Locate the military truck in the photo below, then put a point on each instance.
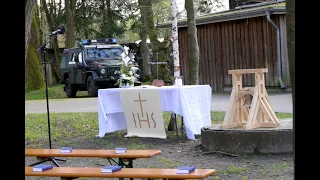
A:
(92, 65)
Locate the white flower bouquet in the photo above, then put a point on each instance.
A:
(127, 74)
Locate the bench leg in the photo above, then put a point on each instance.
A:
(121, 164)
(39, 162)
(68, 178)
(58, 159)
(131, 165)
(53, 160)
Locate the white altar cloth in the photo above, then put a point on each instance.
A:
(193, 102)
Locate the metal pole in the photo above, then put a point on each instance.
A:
(47, 99)
(157, 66)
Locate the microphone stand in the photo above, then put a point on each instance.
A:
(52, 159)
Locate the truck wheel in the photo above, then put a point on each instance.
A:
(92, 88)
(70, 90)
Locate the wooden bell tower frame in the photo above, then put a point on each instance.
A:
(256, 113)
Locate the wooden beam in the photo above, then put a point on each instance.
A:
(253, 107)
(274, 117)
(230, 126)
(265, 111)
(231, 108)
(260, 113)
(242, 93)
(248, 71)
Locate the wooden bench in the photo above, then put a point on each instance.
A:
(69, 173)
(129, 156)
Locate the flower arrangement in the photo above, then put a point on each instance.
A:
(127, 74)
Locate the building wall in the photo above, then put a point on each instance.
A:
(239, 44)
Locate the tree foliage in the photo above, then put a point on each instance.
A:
(160, 50)
(208, 6)
(88, 19)
(57, 57)
(102, 18)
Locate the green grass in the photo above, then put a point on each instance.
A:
(63, 126)
(67, 126)
(272, 170)
(135, 143)
(284, 115)
(169, 163)
(147, 83)
(54, 92)
(232, 169)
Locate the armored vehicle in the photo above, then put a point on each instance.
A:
(92, 66)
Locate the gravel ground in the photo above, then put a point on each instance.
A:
(176, 153)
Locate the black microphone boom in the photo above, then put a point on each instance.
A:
(61, 29)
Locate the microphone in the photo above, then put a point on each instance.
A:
(61, 29)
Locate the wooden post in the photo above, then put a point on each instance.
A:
(259, 113)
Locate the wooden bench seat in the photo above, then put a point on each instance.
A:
(129, 156)
(94, 153)
(68, 173)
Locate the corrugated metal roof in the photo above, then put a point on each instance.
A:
(277, 8)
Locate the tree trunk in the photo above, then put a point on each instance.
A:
(193, 47)
(157, 47)
(109, 17)
(70, 6)
(175, 44)
(290, 15)
(29, 4)
(38, 12)
(84, 12)
(103, 26)
(59, 6)
(34, 79)
(145, 54)
(106, 23)
(57, 56)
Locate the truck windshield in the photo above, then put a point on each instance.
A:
(108, 53)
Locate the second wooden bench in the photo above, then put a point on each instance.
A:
(129, 156)
(69, 173)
